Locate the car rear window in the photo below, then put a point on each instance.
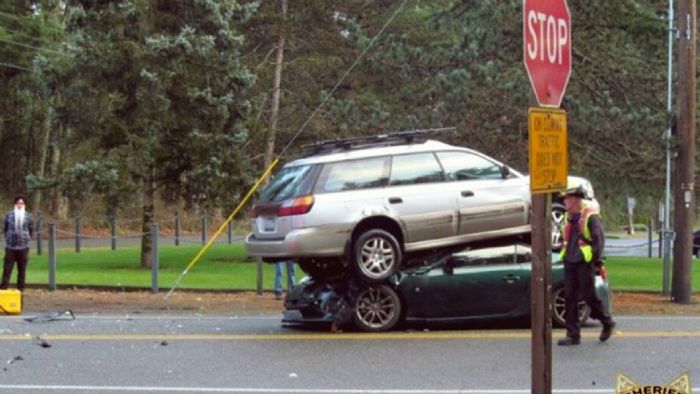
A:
(287, 183)
(353, 175)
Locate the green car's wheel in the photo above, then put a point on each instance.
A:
(377, 308)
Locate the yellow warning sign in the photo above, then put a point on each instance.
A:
(549, 157)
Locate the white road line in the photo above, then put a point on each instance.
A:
(287, 390)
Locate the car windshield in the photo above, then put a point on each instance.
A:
(287, 183)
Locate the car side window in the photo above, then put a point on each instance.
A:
(462, 166)
(414, 169)
(353, 175)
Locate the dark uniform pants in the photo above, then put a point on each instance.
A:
(579, 284)
(21, 257)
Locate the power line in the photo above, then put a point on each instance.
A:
(33, 47)
(19, 33)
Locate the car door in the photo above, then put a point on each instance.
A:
(492, 282)
(487, 201)
(417, 197)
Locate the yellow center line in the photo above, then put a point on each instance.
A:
(337, 337)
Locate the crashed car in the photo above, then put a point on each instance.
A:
(373, 205)
(477, 285)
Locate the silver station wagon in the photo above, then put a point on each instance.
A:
(371, 205)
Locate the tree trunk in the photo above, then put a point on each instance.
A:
(148, 197)
(274, 112)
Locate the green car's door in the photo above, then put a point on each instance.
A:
(477, 284)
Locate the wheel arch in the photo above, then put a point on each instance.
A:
(380, 222)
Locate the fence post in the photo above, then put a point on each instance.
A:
(204, 229)
(52, 256)
(113, 230)
(651, 223)
(38, 233)
(177, 228)
(260, 277)
(661, 236)
(230, 231)
(77, 234)
(154, 258)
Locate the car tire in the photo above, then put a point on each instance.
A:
(377, 308)
(559, 306)
(376, 256)
(558, 217)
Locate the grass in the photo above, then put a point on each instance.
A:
(224, 266)
(643, 274)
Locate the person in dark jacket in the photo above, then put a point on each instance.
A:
(18, 230)
(581, 252)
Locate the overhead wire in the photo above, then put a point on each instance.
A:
(274, 163)
(33, 47)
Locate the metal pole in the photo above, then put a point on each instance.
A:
(52, 256)
(177, 228)
(113, 230)
(77, 234)
(38, 234)
(204, 229)
(154, 258)
(667, 231)
(260, 277)
(229, 232)
(540, 289)
(649, 231)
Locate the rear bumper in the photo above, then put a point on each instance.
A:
(310, 242)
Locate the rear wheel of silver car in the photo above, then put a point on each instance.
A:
(558, 217)
(376, 256)
(377, 308)
(559, 307)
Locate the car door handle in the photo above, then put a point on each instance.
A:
(510, 278)
(395, 200)
(467, 193)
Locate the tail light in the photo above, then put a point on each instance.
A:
(296, 206)
(603, 272)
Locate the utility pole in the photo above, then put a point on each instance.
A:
(684, 212)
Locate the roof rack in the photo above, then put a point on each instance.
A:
(390, 139)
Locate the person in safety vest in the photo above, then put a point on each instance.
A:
(581, 251)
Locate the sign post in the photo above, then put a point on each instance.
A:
(547, 57)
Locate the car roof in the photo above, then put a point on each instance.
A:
(426, 146)
(494, 251)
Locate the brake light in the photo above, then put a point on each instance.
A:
(296, 206)
(603, 272)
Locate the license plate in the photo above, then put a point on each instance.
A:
(268, 225)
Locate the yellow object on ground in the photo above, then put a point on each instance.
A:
(10, 302)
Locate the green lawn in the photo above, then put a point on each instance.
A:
(226, 267)
(642, 274)
(223, 266)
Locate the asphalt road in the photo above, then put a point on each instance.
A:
(139, 353)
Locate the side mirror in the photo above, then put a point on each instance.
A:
(505, 171)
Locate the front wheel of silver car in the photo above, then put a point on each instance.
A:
(376, 256)
(559, 307)
(377, 308)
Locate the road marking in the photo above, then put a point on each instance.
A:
(286, 390)
(479, 335)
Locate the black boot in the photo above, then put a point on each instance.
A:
(607, 331)
(568, 341)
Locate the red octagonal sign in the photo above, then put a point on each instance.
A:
(547, 48)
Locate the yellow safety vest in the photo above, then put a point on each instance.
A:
(585, 242)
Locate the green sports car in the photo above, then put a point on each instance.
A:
(476, 285)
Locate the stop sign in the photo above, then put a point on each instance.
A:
(547, 48)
